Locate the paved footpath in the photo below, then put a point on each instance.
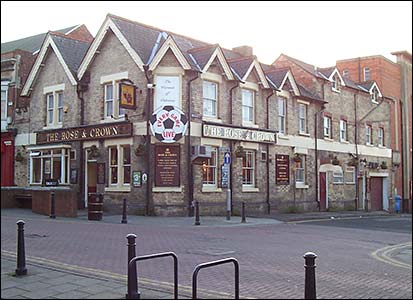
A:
(79, 259)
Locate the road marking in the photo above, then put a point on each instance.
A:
(148, 283)
(383, 255)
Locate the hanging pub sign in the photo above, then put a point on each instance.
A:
(127, 95)
(168, 124)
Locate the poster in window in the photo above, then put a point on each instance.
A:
(136, 178)
(73, 176)
(101, 178)
(127, 96)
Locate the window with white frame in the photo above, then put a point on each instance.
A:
(210, 97)
(338, 177)
(336, 84)
(210, 170)
(248, 169)
(350, 175)
(300, 170)
(119, 165)
(345, 73)
(381, 137)
(374, 96)
(112, 108)
(327, 127)
(54, 108)
(50, 164)
(343, 130)
(302, 117)
(247, 106)
(4, 100)
(366, 72)
(368, 135)
(281, 115)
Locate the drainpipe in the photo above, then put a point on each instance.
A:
(316, 149)
(357, 152)
(189, 150)
(267, 163)
(79, 91)
(149, 86)
(405, 143)
(231, 98)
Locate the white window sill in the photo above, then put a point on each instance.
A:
(250, 189)
(211, 119)
(121, 189)
(381, 146)
(249, 124)
(375, 102)
(211, 189)
(304, 134)
(336, 90)
(301, 186)
(338, 183)
(344, 142)
(177, 189)
(283, 136)
(112, 120)
(53, 127)
(369, 145)
(328, 139)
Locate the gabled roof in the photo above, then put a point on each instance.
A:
(243, 66)
(33, 43)
(69, 52)
(368, 86)
(308, 94)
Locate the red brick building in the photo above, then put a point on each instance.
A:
(395, 81)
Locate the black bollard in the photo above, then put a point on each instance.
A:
(243, 220)
(197, 222)
(52, 206)
(124, 217)
(310, 290)
(133, 274)
(21, 255)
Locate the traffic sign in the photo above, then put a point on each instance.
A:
(227, 158)
(224, 175)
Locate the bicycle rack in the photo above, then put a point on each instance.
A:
(133, 282)
(214, 263)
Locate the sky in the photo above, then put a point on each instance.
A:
(317, 32)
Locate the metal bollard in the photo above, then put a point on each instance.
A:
(21, 255)
(124, 217)
(310, 290)
(133, 275)
(197, 222)
(243, 220)
(52, 206)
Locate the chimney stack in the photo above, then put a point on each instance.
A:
(243, 50)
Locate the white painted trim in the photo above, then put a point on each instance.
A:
(248, 189)
(119, 189)
(114, 77)
(250, 146)
(377, 174)
(119, 141)
(211, 189)
(46, 147)
(217, 78)
(53, 88)
(211, 142)
(36, 67)
(374, 85)
(25, 139)
(290, 77)
(169, 71)
(108, 23)
(303, 102)
(169, 44)
(260, 72)
(221, 58)
(331, 78)
(249, 85)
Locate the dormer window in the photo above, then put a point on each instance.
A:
(374, 96)
(345, 73)
(336, 84)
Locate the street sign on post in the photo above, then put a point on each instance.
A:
(227, 158)
(224, 178)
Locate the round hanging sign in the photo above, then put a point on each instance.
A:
(168, 124)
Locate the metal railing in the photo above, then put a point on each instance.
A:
(215, 263)
(133, 292)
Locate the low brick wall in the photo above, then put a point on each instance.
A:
(65, 202)
(8, 197)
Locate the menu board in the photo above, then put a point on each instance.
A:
(282, 169)
(167, 166)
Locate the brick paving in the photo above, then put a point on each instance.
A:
(270, 255)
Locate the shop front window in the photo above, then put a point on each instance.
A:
(49, 164)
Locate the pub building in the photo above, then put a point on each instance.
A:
(164, 120)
